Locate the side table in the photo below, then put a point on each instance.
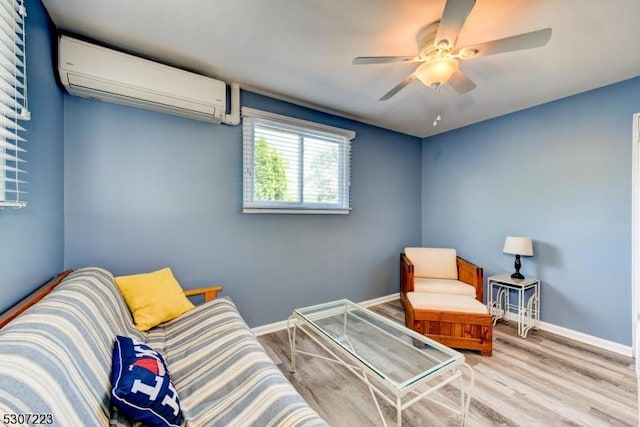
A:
(527, 308)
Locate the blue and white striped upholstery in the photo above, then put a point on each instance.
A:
(223, 375)
(56, 358)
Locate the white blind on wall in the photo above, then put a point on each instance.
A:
(13, 102)
(294, 166)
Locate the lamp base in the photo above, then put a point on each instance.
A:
(517, 264)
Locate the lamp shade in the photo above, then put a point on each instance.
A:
(518, 246)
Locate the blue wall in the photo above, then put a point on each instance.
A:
(560, 173)
(145, 190)
(31, 239)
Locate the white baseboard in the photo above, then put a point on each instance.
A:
(279, 326)
(376, 301)
(269, 328)
(615, 347)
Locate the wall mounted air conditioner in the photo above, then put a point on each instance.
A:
(96, 72)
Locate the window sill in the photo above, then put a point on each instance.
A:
(297, 211)
(14, 205)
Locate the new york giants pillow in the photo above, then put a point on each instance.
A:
(141, 387)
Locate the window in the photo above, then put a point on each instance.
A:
(294, 166)
(13, 101)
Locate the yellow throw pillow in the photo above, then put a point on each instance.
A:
(153, 298)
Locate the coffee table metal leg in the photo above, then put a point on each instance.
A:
(462, 401)
(358, 371)
(375, 400)
(292, 341)
(465, 394)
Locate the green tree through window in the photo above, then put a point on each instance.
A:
(270, 178)
(321, 177)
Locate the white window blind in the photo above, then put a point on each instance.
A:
(13, 102)
(294, 166)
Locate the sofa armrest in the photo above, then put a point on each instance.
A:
(471, 274)
(406, 275)
(32, 298)
(209, 293)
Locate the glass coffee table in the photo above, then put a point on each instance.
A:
(398, 365)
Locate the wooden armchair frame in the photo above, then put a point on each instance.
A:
(468, 273)
(473, 331)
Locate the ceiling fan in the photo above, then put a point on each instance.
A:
(439, 55)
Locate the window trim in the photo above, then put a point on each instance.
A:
(295, 125)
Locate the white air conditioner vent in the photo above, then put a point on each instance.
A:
(96, 72)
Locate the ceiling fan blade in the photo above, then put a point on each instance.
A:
(509, 44)
(362, 60)
(453, 18)
(461, 83)
(398, 87)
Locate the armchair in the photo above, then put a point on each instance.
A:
(442, 297)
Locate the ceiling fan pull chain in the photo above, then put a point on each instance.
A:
(436, 116)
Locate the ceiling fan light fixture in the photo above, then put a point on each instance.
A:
(438, 72)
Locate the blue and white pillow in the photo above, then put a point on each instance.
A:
(141, 387)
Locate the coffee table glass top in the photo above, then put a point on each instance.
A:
(395, 353)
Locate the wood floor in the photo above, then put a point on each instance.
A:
(544, 380)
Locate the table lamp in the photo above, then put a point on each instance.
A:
(518, 246)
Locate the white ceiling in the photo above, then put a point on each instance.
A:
(301, 50)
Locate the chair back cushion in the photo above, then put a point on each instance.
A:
(436, 263)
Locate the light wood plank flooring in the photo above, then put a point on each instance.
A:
(544, 380)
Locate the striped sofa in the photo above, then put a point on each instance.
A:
(56, 359)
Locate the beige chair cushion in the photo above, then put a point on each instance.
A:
(436, 263)
(443, 302)
(443, 286)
